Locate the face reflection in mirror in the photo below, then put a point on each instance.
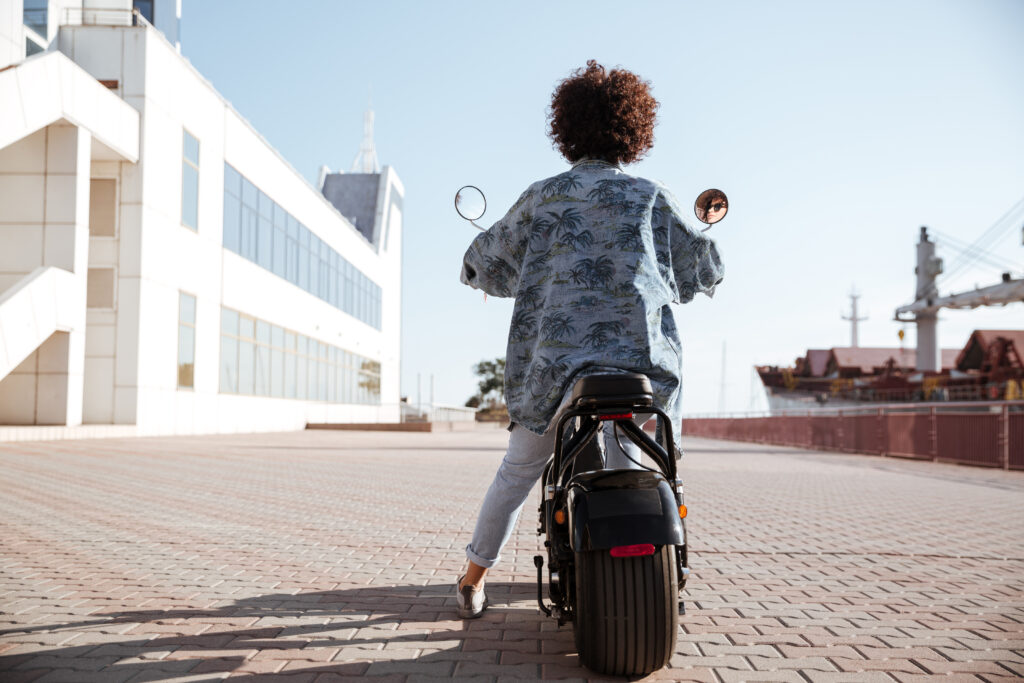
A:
(470, 202)
(711, 206)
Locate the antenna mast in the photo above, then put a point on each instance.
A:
(853, 318)
(366, 159)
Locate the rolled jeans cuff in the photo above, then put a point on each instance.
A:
(480, 561)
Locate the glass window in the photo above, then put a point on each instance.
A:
(262, 375)
(339, 373)
(313, 384)
(300, 370)
(232, 222)
(314, 265)
(246, 365)
(228, 364)
(266, 206)
(32, 47)
(324, 373)
(280, 250)
(292, 260)
(229, 322)
(248, 232)
(346, 375)
(228, 351)
(276, 361)
(250, 195)
(232, 180)
(246, 327)
(263, 232)
(186, 340)
(333, 287)
(145, 8)
(265, 246)
(279, 253)
(349, 288)
(190, 181)
(332, 378)
(34, 15)
(325, 272)
(102, 207)
(290, 363)
(303, 259)
(246, 356)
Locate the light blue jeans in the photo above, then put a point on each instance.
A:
(523, 465)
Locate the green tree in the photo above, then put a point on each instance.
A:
(491, 388)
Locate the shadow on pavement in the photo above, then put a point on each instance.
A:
(396, 631)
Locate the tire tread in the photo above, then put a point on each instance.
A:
(626, 611)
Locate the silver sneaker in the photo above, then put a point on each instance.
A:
(472, 603)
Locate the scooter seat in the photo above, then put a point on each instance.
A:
(613, 389)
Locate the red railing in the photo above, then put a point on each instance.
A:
(989, 433)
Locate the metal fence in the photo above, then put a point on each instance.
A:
(436, 413)
(99, 16)
(989, 434)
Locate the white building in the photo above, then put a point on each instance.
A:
(161, 265)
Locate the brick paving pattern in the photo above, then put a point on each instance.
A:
(323, 556)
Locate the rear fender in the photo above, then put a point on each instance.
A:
(610, 508)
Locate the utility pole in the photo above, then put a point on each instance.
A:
(928, 268)
(853, 318)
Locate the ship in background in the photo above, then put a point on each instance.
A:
(988, 367)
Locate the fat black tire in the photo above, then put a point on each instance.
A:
(627, 611)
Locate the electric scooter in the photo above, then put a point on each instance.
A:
(615, 538)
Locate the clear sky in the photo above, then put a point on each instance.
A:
(835, 128)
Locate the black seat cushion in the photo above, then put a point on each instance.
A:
(629, 386)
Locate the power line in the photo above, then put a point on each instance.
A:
(988, 257)
(994, 233)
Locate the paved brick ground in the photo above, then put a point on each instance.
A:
(322, 556)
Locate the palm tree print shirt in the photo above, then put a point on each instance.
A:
(593, 258)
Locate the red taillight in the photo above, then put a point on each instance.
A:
(632, 550)
(617, 416)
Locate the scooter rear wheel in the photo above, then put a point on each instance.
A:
(627, 611)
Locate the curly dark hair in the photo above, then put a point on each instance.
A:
(603, 115)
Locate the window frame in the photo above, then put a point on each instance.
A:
(182, 323)
(185, 161)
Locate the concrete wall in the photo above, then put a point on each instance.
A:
(44, 192)
(12, 33)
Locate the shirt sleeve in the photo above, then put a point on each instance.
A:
(696, 263)
(494, 260)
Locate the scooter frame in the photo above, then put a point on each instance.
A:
(576, 466)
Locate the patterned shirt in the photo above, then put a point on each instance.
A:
(593, 258)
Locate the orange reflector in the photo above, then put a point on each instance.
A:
(632, 550)
(559, 516)
(682, 512)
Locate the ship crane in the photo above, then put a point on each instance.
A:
(924, 310)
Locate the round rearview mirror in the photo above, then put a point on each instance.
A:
(470, 202)
(711, 206)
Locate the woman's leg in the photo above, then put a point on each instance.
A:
(524, 462)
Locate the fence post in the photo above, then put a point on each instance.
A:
(881, 434)
(840, 446)
(1004, 436)
(933, 434)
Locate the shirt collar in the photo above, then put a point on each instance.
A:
(595, 163)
